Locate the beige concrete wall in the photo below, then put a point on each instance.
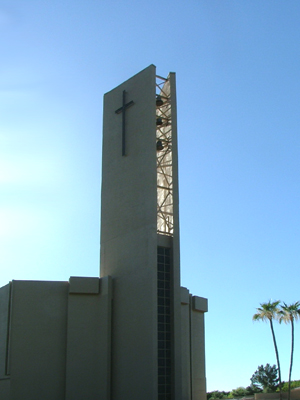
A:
(185, 344)
(4, 345)
(198, 308)
(38, 339)
(88, 339)
(128, 236)
(128, 197)
(193, 346)
(59, 340)
(4, 330)
(5, 389)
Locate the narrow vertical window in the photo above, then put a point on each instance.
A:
(164, 322)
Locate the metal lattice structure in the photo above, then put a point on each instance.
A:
(165, 223)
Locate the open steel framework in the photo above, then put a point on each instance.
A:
(164, 157)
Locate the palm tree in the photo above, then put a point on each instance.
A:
(289, 314)
(268, 312)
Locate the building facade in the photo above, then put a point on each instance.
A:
(133, 333)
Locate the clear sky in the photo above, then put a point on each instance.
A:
(237, 66)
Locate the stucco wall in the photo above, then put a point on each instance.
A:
(38, 340)
(59, 340)
(193, 346)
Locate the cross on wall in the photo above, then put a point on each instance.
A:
(122, 110)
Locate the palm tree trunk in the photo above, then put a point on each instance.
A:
(277, 358)
(292, 355)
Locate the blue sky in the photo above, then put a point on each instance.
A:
(237, 66)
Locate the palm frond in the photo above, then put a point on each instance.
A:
(288, 313)
(267, 311)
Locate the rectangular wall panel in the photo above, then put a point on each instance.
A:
(4, 329)
(89, 339)
(38, 340)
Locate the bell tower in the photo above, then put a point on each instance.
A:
(140, 234)
(154, 350)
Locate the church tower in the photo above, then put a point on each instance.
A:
(140, 234)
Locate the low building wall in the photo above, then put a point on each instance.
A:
(5, 388)
(295, 395)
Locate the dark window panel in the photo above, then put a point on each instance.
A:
(167, 284)
(161, 380)
(160, 259)
(161, 309)
(167, 251)
(161, 276)
(161, 362)
(161, 389)
(161, 353)
(160, 250)
(161, 267)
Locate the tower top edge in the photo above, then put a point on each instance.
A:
(150, 67)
